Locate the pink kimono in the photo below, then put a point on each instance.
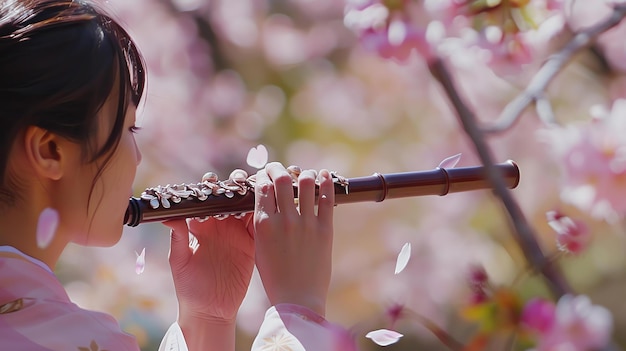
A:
(37, 315)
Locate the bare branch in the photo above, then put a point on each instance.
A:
(535, 90)
(523, 232)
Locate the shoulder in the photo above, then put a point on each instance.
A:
(62, 326)
(36, 311)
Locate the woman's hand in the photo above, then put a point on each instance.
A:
(294, 243)
(211, 277)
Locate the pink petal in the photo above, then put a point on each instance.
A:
(403, 258)
(47, 226)
(257, 157)
(384, 337)
(539, 315)
(140, 264)
(450, 162)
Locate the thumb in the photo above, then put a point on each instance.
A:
(180, 252)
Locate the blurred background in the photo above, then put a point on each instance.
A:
(227, 75)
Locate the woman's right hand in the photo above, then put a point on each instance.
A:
(294, 242)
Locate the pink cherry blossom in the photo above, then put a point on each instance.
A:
(478, 281)
(505, 54)
(539, 315)
(578, 324)
(395, 312)
(573, 236)
(396, 30)
(478, 276)
(398, 41)
(389, 32)
(592, 157)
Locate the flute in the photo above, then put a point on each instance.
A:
(235, 196)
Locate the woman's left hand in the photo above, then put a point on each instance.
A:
(212, 279)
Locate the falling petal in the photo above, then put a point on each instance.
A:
(257, 157)
(47, 226)
(450, 162)
(403, 258)
(384, 337)
(140, 264)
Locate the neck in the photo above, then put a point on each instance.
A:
(19, 230)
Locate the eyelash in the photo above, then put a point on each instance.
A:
(134, 129)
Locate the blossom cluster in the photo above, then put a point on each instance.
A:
(503, 32)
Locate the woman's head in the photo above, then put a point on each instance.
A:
(64, 67)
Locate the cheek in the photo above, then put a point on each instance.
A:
(111, 195)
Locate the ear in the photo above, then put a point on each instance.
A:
(43, 152)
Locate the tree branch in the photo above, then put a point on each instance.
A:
(524, 233)
(535, 89)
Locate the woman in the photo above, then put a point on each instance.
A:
(70, 81)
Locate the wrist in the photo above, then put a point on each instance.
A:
(313, 303)
(207, 333)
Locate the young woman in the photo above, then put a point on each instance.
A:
(70, 81)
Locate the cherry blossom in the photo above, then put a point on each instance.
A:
(574, 324)
(573, 236)
(386, 30)
(592, 157)
(539, 315)
(506, 30)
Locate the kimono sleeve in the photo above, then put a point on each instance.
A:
(174, 340)
(296, 328)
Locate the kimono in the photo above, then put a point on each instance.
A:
(36, 314)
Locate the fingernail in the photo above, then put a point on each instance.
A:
(324, 175)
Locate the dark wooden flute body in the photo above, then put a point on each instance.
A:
(221, 199)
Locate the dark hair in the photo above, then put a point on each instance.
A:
(59, 61)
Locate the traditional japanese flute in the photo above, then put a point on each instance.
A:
(235, 196)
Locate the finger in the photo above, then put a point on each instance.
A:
(326, 200)
(283, 187)
(248, 219)
(180, 252)
(306, 192)
(265, 200)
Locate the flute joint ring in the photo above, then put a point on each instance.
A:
(446, 188)
(384, 189)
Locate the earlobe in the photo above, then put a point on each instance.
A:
(43, 152)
